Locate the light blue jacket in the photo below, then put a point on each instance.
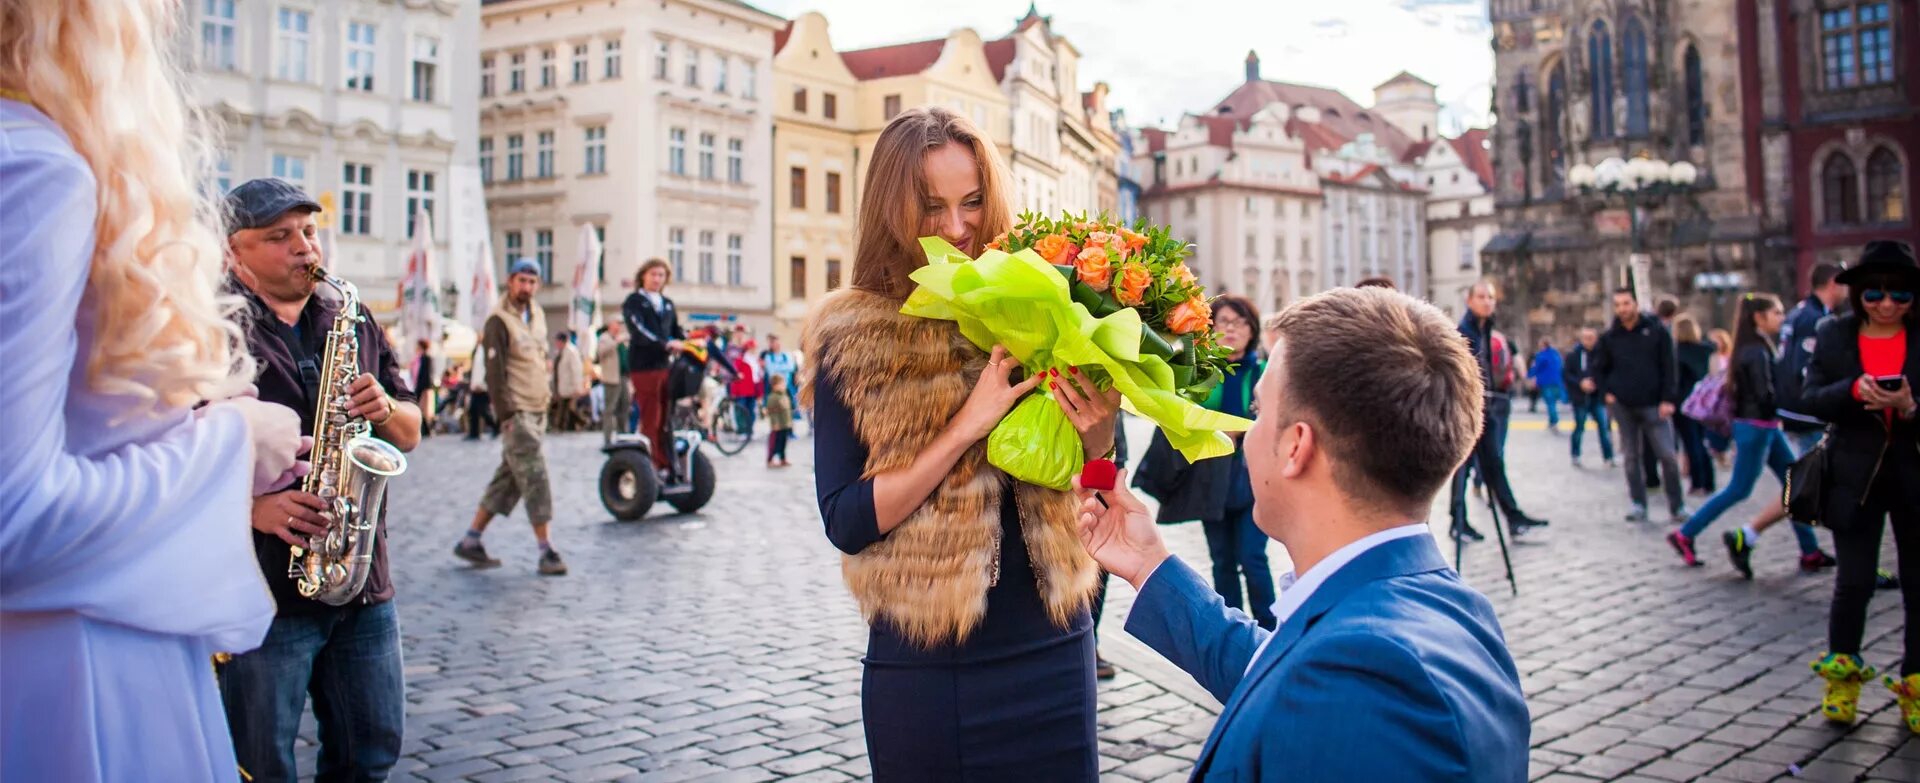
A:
(1393, 670)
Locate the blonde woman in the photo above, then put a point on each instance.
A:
(123, 510)
(980, 659)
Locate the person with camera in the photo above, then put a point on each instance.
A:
(1491, 352)
(1861, 381)
(653, 329)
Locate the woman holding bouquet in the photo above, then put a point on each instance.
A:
(980, 659)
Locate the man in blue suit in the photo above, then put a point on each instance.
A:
(1384, 666)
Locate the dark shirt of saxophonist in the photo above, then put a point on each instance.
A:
(273, 249)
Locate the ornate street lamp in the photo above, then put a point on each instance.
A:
(1641, 184)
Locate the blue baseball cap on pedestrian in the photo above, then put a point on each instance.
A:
(523, 267)
(257, 203)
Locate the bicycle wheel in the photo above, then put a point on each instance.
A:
(731, 428)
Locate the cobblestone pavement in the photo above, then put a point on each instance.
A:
(722, 646)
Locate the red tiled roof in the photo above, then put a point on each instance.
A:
(1340, 118)
(1156, 139)
(895, 60)
(1472, 148)
(1348, 179)
(999, 56)
(1318, 137)
(781, 35)
(1416, 151)
(1220, 130)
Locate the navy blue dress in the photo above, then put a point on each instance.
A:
(1014, 701)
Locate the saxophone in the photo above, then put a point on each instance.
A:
(350, 468)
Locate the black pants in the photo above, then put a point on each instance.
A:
(479, 407)
(1491, 464)
(1857, 547)
(1693, 441)
(777, 442)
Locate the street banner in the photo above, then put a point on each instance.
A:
(482, 292)
(585, 304)
(419, 297)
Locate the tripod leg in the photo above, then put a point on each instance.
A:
(1500, 531)
(1459, 548)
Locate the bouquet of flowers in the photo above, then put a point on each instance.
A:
(1117, 302)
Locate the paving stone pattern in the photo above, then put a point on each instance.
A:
(721, 646)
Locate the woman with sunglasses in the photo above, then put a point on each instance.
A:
(1865, 367)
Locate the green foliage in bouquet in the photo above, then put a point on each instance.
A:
(1148, 337)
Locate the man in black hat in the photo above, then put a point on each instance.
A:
(347, 657)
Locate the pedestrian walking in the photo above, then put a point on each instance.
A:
(1796, 350)
(748, 386)
(1490, 350)
(610, 357)
(778, 361)
(779, 421)
(1548, 374)
(1862, 380)
(1578, 373)
(479, 402)
(569, 383)
(515, 344)
(426, 384)
(1693, 359)
(1634, 372)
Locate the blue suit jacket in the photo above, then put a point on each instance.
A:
(1392, 670)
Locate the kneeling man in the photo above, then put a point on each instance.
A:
(1384, 665)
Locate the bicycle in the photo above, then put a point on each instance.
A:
(732, 425)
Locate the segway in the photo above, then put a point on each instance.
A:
(629, 484)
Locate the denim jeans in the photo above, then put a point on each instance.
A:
(348, 659)
(1237, 546)
(1553, 396)
(1592, 408)
(1755, 447)
(744, 410)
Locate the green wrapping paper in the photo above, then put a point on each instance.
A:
(1021, 302)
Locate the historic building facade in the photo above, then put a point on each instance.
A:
(1458, 175)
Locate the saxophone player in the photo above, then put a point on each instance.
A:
(346, 656)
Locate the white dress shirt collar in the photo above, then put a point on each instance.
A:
(1295, 590)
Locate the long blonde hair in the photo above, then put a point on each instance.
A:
(888, 239)
(104, 72)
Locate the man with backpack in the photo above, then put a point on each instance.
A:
(1796, 348)
(1491, 350)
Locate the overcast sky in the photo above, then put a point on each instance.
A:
(1164, 58)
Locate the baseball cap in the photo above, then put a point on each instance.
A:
(257, 203)
(523, 267)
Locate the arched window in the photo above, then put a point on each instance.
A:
(1600, 64)
(1886, 199)
(1552, 138)
(1633, 70)
(1696, 98)
(1840, 190)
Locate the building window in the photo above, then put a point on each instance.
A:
(833, 193)
(1633, 71)
(660, 60)
(735, 273)
(1886, 196)
(677, 252)
(1840, 190)
(426, 67)
(720, 68)
(292, 168)
(829, 106)
(749, 82)
(693, 67)
(1600, 66)
(222, 174)
(706, 257)
(1466, 253)
(800, 100)
(1856, 45)
(513, 247)
(543, 253)
(543, 155)
(419, 197)
(360, 51)
(890, 106)
(833, 274)
(486, 77)
(677, 152)
(547, 68)
(579, 63)
(596, 150)
(706, 156)
(356, 202)
(292, 38)
(612, 52)
(1253, 246)
(217, 36)
(797, 188)
(1696, 97)
(516, 157)
(486, 159)
(736, 160)
(797, 277)
(1280, 247)
(517, 72)
(1191, 211)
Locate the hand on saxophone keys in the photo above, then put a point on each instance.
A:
(293, 516)
(368, 401)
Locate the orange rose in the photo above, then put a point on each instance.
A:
(1050, 246)
(1094, 268)
(994, 245)
(1098, 238)
(1131, 289)
(1135, 241)
(1190, 316)
(1182, 274)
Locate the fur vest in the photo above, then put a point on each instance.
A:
(904, 378)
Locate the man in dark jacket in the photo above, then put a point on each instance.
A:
(1497, 375)
(1796, 349)
(1579, 368)
(1633, 371)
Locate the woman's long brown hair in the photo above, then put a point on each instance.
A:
(891, 211)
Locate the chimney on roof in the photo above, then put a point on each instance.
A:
(1253, 66)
